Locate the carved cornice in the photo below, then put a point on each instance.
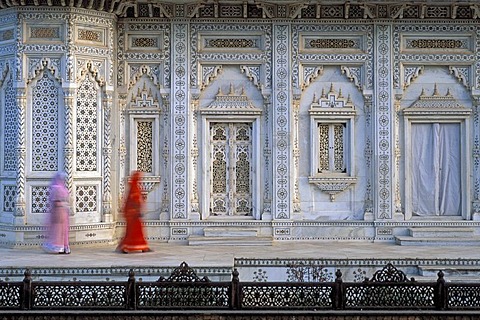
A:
(268, 9)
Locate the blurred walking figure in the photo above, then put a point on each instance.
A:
(57, 220)
(134, 239)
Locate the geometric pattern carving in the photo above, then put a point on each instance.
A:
(44, 32)
(9, 193)
(86, 199)
(40, 199)
(11, 128)
(87, 126)
(45, 125)
(90, 35)
(145, 146)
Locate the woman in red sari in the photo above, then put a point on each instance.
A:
(134, 239)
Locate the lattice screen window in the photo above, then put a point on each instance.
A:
(45, 125)
(332, 147)
(86, 199)
(332, 136)
(9, 194)
(40, 199)
(87, 126)
(145, 146)
(11, 128)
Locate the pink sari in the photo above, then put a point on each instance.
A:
(57, 221)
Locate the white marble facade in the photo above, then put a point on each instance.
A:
(252, 120)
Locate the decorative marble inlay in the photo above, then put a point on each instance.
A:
(436, 44)
(231, 43)
(45, 32)
(9, 193)
(40, 199)
(90, 35)
(325, 43)
(6, 35)
(86, 199)
(145, 42)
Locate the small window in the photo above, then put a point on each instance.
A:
(332, 128)
(332, 156)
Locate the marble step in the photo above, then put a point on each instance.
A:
(229, 241)
(229, 232)
(437, 241)
(443, 232)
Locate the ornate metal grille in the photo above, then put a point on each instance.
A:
(279, 295)
(463, 295)
(183, 289)
(10, 294)
(71, 295)
(87, 126)
(182, 295)
(405, 295)
(389, 288)
(45, 125)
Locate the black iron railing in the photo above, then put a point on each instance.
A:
(389, 288)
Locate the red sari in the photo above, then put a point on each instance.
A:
(134, 239)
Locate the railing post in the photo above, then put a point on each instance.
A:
(26, 298)
(440, 296)
(337, 293)
(131, 292)
(235, 294)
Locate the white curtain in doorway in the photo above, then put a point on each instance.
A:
(436, 170)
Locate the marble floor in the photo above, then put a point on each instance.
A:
(168, 254)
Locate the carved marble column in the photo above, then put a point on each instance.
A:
(69, 103)
(122, 148)
(368, 202)
(20, 204)
(107, 157)
(282, 110)
(296, 158)
(179, 120)
(398, 214)
(383, 123)
(476, 158)
(267, 155)
(194, 214)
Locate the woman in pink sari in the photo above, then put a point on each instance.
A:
(134, 239)
(57, 221)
